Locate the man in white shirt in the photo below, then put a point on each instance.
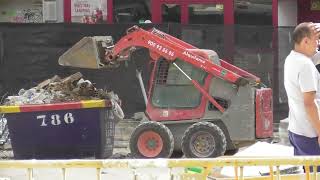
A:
(302, 84)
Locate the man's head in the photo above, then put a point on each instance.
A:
(305, 37)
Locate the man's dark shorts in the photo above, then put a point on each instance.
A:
(304, 146)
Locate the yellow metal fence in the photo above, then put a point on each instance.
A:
(207, 165)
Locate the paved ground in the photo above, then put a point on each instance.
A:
(121, 149)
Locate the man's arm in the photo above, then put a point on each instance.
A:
(312, 110)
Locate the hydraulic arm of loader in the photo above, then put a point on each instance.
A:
(161, 44)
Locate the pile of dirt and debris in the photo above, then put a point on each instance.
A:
(57, 90)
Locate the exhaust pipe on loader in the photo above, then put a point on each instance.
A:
(90, 53)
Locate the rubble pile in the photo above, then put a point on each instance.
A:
(56, 90)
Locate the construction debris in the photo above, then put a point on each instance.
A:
(4, 132)
(48, 81)
(57, 90)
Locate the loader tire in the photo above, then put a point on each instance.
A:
(203, 140)
(151, 140)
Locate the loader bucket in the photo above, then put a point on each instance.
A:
(89, 52)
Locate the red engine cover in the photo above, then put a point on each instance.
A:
(264, 113)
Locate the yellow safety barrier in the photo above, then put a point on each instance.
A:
(203, 171)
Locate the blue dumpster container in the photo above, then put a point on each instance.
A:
(61, 131)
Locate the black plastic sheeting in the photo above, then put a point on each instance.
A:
(29, 54)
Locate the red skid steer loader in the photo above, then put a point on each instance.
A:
(197, 102)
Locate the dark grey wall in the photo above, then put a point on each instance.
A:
(29, 55)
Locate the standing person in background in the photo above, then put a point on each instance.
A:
(302, 84)
(316, 59)
(97, 13)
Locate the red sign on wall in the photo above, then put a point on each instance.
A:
(86, 7)
(81, 7)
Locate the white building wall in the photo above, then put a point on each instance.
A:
(60, 10)
(287, 12)
(16, 11)
(287, 19)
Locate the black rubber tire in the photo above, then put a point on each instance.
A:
(215, 138)
(158, 128)
(231, 152)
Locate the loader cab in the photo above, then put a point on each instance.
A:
(172, 95)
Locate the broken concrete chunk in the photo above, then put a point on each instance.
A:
(56, 78)
(72, 78)
(57, 90)
(45, 83)
(21, 92)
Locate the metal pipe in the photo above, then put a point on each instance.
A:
(307, 168)
(30, 173)
(98, 173)
(143, 90)
(314, 177)
(236, 172)
(64, 174)
(241, 173)
(271, 172)
(278, 173)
